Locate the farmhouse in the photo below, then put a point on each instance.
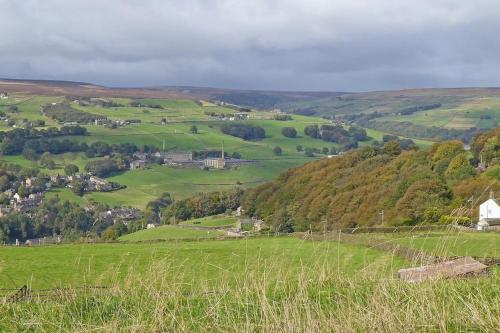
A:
(489, 213)
(137, 164)
(98, 184)
(120, 215)
(250, 224)
(140, 155)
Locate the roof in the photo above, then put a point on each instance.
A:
(496, 201)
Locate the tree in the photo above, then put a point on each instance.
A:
(277, 151)
(325, 150)
(71, 169)
(78, 187)
(289, 132)
(13, 109)
(30, 154)
(309, 152)
(312, 131)
(459, 167)
(47, 161)
(299, 148)
(194, 129)
(392, 148)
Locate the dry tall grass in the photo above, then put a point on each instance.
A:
(267, 298)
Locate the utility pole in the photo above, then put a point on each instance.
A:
(382, 216)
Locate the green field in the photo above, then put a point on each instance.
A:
(448, 243)
(211, 221)
(245, 285)
(143, 186)
(464, 116)
(169, 233)
(76, 264)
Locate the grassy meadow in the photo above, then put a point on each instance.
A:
(270, 284)
(168, 232)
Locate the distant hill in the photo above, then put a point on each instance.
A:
(411, 187)
(428, 114)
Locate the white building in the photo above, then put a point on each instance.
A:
(216, 163)
(489, 213)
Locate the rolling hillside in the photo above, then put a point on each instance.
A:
(410, 187)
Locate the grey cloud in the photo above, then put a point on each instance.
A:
(296, 44)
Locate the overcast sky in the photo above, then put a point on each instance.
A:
(335, 45)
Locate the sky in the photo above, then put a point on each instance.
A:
(314, 45)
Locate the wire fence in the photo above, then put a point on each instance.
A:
(25, 293)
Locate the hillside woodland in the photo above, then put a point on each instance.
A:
(411, 187)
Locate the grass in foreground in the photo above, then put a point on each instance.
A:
(77, 264)
(267, 285)
(264, 296)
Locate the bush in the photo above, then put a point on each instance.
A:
(277, 151)
(71, 169)
(289, 132)
(282, 117)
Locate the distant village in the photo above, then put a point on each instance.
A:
(186, 159)
(88, 182)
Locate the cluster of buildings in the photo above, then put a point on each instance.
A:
(105, 122)
(230, 117)
(121, 214)
(186, 159)
(90, 183)
(22, 205)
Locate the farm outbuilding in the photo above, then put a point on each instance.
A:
(489, 213)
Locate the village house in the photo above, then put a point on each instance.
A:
(481, 167)
(27, 204)
(4, 211)
(29, 181)
(140, 155)
(98, 184)
(101, 121)
(489, 213)
(4, 95)
(9, 193)
(121, 215)
(137, 164)
(250, 225)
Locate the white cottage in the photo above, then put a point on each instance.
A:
(489, 213)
